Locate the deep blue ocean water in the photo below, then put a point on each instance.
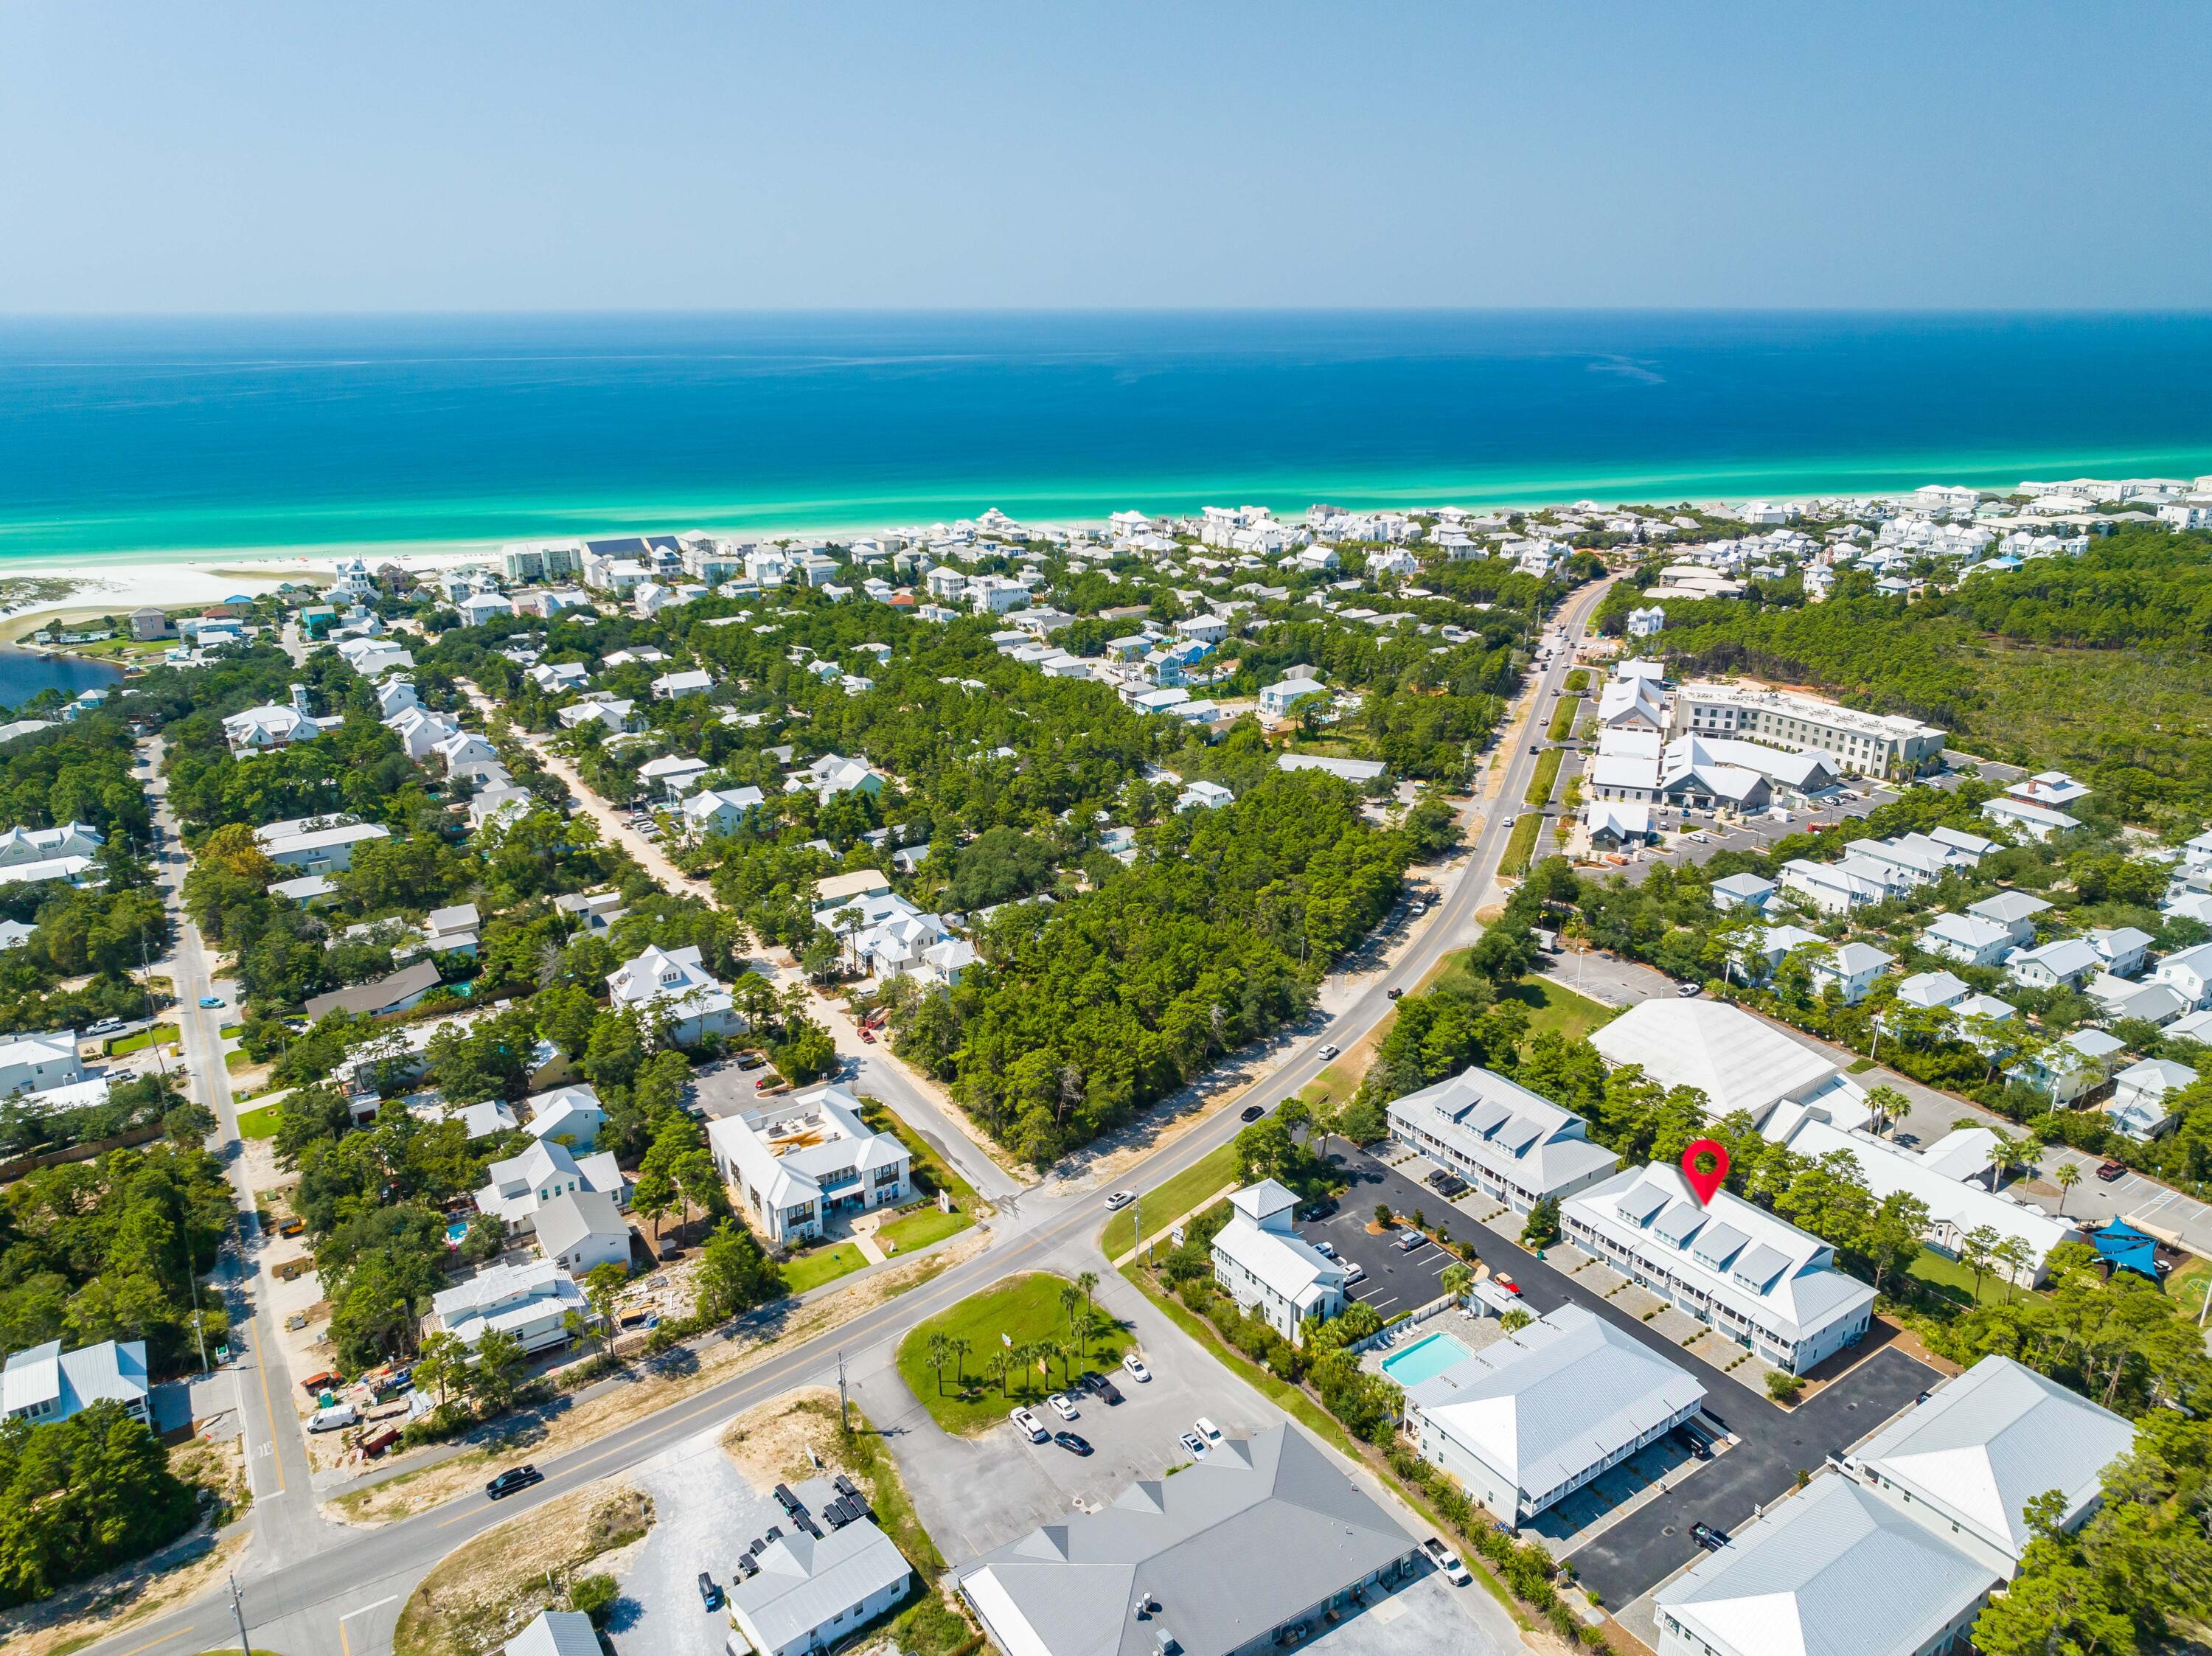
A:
(140, 436)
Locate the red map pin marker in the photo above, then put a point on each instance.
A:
(1704, 1164)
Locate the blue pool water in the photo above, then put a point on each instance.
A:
(1425, 1359)
(457, 1230)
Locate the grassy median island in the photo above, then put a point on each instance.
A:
(1022, 1340)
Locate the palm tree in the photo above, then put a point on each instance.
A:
(1456, 1280)
(1070, 1297)
(939, 1355)
(1071, 1353)
(2067, 1176)
(1001, 1359)
(960, 1359)
(1088, 1281)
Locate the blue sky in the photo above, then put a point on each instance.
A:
(488, 156)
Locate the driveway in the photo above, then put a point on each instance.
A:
(704, 1515)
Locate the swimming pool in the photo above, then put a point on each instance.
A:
(1425, 1359)
(455, 1231)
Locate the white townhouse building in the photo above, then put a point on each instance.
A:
(1514, 1146)
(1771, 1287)
(811, 1588)
(800, 1162)
(1955, 1206)
(673, 989)
(35, 1063)
(1864, 743)
(44, 1384)
(1896, 1554)
(1968, 940)
(2015, 911)
(1534, 1416)
(2188, 972)
(1271, 1271)
(2063, 963)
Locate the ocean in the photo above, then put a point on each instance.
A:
(142, 439)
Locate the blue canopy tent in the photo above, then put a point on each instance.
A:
(2122, 1247)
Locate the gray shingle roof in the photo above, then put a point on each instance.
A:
(1259, 1532)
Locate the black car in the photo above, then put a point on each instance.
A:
(1073, 1442)
(1320, 1208)
(710, 1594)
(514, 1478)
(1251, 1112)
(1706, 1536)
(1395, 993)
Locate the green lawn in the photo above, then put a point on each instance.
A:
(1025, 1310)
(1563, 719)
(820, 1265)
(237, 1059)
(258, 1124)
(1955, 1281)
(919, 1230)
(1578, 680)
(1163, 1201)
(1522, 842)
(927, 1161)
(1546, 777)
(1550, 1007)
(165, 1033)
(2188, 1286)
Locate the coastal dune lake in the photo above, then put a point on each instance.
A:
(134, 438)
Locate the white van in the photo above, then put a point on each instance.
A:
(339, 1415)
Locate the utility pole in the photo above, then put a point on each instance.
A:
(844, 1421)
(1137, 1219)
(238, 1610)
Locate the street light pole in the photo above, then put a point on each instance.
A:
(238, 1610)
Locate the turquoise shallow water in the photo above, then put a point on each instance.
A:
(137, 439)
(1425, 1359)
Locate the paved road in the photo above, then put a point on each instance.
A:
(338, 1593)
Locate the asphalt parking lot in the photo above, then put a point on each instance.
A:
(1649, 1543)
(974, 1494)
(1395, 1281)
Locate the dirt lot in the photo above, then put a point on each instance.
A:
(547, 1435)
(485, 1593)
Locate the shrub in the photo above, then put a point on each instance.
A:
(1783, 1388)
(593, 1595)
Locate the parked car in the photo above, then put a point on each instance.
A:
(1209, 1431)
(338, 1415)
(1073, 1443)
(1686, 991)
(1251, 1112)
(2108, 1171)
(1505, 1283)
(210, 1002)
(1320, 1208)
(1119, 1199)
(1029, 1423)
(1137, 1372)
(1327, 1250)
(710, 1594)
(1447, 1560)
(1409, 1241)
(514, 1478)
(1354, 1272)
(1195, 1443)
(1062, 1404)
(750, 1060)
(1706, 1536)
(868, 1036)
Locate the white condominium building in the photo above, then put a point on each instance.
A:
(1268, 1269)
(807, 1158)
(1730, 1264)
(1516, 1146)
(1866, 744)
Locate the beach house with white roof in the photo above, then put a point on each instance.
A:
(1740, 1270)
(1270, 1271)
(677, 993)
(1969, 939)
(44, 1384)
(517, 1187)
(2015, 911)
(1514, 1146)
(529, 1300)
(1531, 1418)
(800, 1162)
